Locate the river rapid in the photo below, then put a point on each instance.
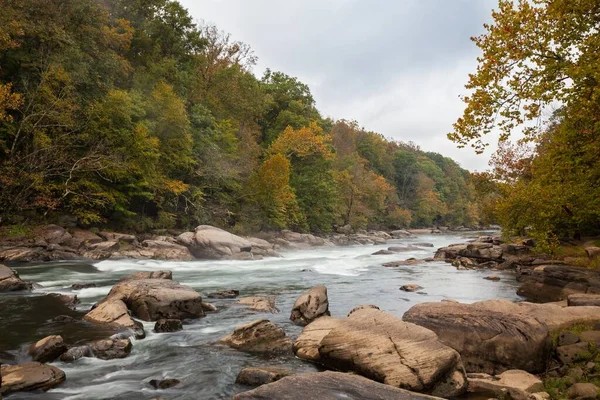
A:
(206, 370)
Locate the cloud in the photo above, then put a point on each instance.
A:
(397, 67)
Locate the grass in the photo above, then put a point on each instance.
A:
(15, 231)
(577, 329)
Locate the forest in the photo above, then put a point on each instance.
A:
(127, 113)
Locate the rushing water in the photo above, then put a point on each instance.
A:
(207, 371)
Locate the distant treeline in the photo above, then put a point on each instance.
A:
(125, 112)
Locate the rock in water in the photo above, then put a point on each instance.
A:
(148, 275)
(256, 376)
(311, 305)
(30, 376)
(164, 383)
(47, 349)
(410, 287)
(224, 294)
(557, 282)
(109, 349)
(382, 347)
(329, 386)
(260, 304)
(261, 336)
(214, 243)
(168, 325)
(10, 281)
(488, 339)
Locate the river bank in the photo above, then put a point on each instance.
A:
(354, 276)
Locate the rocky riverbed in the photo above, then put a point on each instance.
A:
(141, 329)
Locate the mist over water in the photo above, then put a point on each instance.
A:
(206, 370)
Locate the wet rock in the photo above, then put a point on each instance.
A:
(113, 313)
(75, 353)
(557, 282)
(519, 385)
(583, 391)
(260, 336)
(328, 386)
(79, 286)
(400, 249)
(168, 325)
(109, 349)
(410, 287)
(384, 348)
(29, 377)
(401, 233)
(311, 305)
(10, 281)
(224, 294)
(257, 376)
(148, 275)
(475, 250)
(213, 243)
(107, 246)
(67, 299)
(400, 263)
(164, 384)
(209, 307)
(383, 252)
(47, 349)
(423, 244)
(580, 299)
(260, 304)
(488, 339)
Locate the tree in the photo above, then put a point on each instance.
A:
(536, 52)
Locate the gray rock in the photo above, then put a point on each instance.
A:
(257, 376)
(164, 383)
(168, 325)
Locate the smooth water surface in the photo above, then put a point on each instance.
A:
(207, 371)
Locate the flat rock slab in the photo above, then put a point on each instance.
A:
(382, 347)
(580, 299)
(30, 376)
(328, 386)
(259, 304)
(518, 384)
(489, 339)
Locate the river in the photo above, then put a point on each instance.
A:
(206, 370)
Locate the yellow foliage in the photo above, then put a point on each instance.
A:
(303, 142)
(176, 187)
(8, 101)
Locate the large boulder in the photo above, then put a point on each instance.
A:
(261, 336)
(557, 282)
(10, 281)
(47, 349)
(488, 339)
(311, 305)
(384, 348)
(52, 234)
(328, 386)
(214, 243)
(153, 299)
(29, 376)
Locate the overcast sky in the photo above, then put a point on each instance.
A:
(396, 67)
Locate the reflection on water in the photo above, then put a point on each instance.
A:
(207, 371)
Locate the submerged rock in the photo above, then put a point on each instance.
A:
(168, 325)
(261, 336)
(382, 347)
(328, 386)
(310, 305)
(164, 383)
(260, 304)
(256, 376)
(224, 294)
(29, 377)
(148, 275)
(47, 349)
(109, 349)
(410, 287)
(75, 353)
